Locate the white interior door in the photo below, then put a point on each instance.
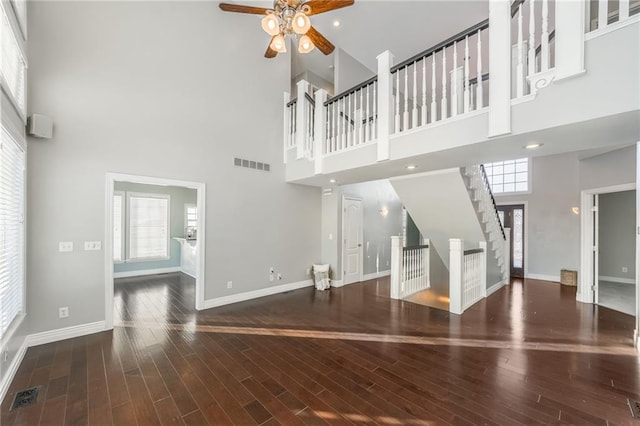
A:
(352, 240)
(596, 247)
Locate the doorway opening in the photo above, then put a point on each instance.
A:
(152, 227)
(513, 216)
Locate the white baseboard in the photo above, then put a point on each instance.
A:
(64, 333)
(241, 297)
(375, 275)
(143, 272)
(497, 286)
(617, 280)
(188, 273)
(554, 278)
(12, 370)
(337, 283)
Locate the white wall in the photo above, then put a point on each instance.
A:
(552, 230)
(616, 226)
(348, 71)
(163, 89)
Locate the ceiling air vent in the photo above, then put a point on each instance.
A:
(250, 164)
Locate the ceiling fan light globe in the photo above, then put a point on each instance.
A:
(305, 45)
(301, 23)
(270, 24)
(279, 44)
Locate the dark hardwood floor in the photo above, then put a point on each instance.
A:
(529, 354)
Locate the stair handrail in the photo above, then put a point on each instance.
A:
(485, 178)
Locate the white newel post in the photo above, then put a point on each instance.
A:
(396, 266)
(302, 120)
(570, 17)
(319, 130)
(456, 265)
(384, 103)
(427, 254)
(285, 125)
(507, 255)
(483, 268)
(500, 67)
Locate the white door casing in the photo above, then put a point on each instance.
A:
(352, 240)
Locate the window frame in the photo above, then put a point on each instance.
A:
(16, 321)
(19, 39)
(128, 258)
(512, 193)
(123, 226)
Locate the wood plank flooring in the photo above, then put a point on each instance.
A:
(529, 354)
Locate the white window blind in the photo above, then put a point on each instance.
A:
(508, 176)
(148, 226)
(12, 63)
(11, 230)
(118, 220)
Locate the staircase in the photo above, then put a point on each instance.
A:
(455, 210)
(486, 209)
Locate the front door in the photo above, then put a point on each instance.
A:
(512, 217)
(352, 240)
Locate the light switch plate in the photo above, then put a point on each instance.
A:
(65, 246)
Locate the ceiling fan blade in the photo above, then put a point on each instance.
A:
(321, 6)
(270, 53)
(228, 7)
(320, 41)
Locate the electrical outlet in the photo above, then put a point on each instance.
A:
(625, 269)
(92, 245)
(270, 277)
(5, 356)
(65, 246)
(229, 284)
(308, 271)
(272, 270)
(63, 312)
(279, 277)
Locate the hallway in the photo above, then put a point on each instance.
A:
(527, 354)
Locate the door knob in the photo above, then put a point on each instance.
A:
(359, 245)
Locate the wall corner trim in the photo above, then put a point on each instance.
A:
(64, 333)
(12, 370)
(241, 297)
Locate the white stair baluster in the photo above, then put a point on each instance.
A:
(374, 123)
(423, 110)
(361, 122)
(532, 39)
(397, 121)
(544, 61)
(414, 113)
(434, 105)
(443, 103)
(367, 123)
(466, 98)
(479, 90)
(520, 66)
(405, 113)
(454, 81)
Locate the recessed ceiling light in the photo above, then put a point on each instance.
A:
(533, 145)
(332, 181)
(411, 167)
(336, 23)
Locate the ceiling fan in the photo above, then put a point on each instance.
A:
(290, 18)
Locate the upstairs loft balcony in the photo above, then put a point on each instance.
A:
(561, 73)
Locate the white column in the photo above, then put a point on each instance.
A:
(569, 38)
(285, 126)
(302, 120)
(500, 67)
(396, 266)
(456, 265)
(319, 130)
(483, 269)
(384, 103)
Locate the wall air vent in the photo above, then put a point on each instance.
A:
(250, 164)
(327, 192)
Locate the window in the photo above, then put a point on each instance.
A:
(12, 63)
(508, 176)
(190, 216)
(118, 226)
(11, 230)
(148, 226)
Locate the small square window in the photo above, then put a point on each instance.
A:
(508, 176)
